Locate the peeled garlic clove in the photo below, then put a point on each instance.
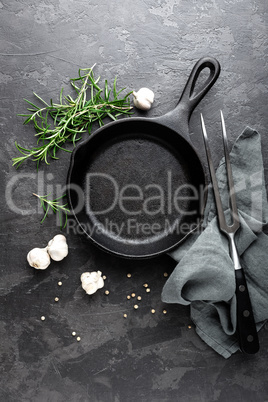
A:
(58, 248)
(143, 99)
(92, 281)
(38, 258)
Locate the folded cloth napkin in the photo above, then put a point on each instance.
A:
(204, 277)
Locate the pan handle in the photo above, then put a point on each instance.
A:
(178, 119)
(188, 100)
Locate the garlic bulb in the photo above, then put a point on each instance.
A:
(143, 99)
(92, 281)
(38, 258)
(57, 248)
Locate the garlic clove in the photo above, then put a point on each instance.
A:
(38, 258)
(85, 276)
(57, 248)
(92, 281)
(147, 94)
(100, 282)
(143, 99)
(90, 288)
(142, 104)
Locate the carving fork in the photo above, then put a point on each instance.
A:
(246, 328)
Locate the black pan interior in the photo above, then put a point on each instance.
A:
(136, 188)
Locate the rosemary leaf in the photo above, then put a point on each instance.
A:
(55, 206)
(59, 123)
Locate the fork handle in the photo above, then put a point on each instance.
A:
(246, 328)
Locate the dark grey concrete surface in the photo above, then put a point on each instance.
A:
(146, 357)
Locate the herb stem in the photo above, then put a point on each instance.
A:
(57, 123)
(55, 206)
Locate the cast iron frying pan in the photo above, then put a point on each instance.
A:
(137, 186)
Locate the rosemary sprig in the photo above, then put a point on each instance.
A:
(58, 123)
(55, 206)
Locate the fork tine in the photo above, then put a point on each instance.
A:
(230, 181)
(221, 217)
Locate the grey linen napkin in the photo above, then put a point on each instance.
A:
(204, 276)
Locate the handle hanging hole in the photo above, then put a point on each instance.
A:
(200, 82)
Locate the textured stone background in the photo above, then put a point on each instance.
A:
(146, 357)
